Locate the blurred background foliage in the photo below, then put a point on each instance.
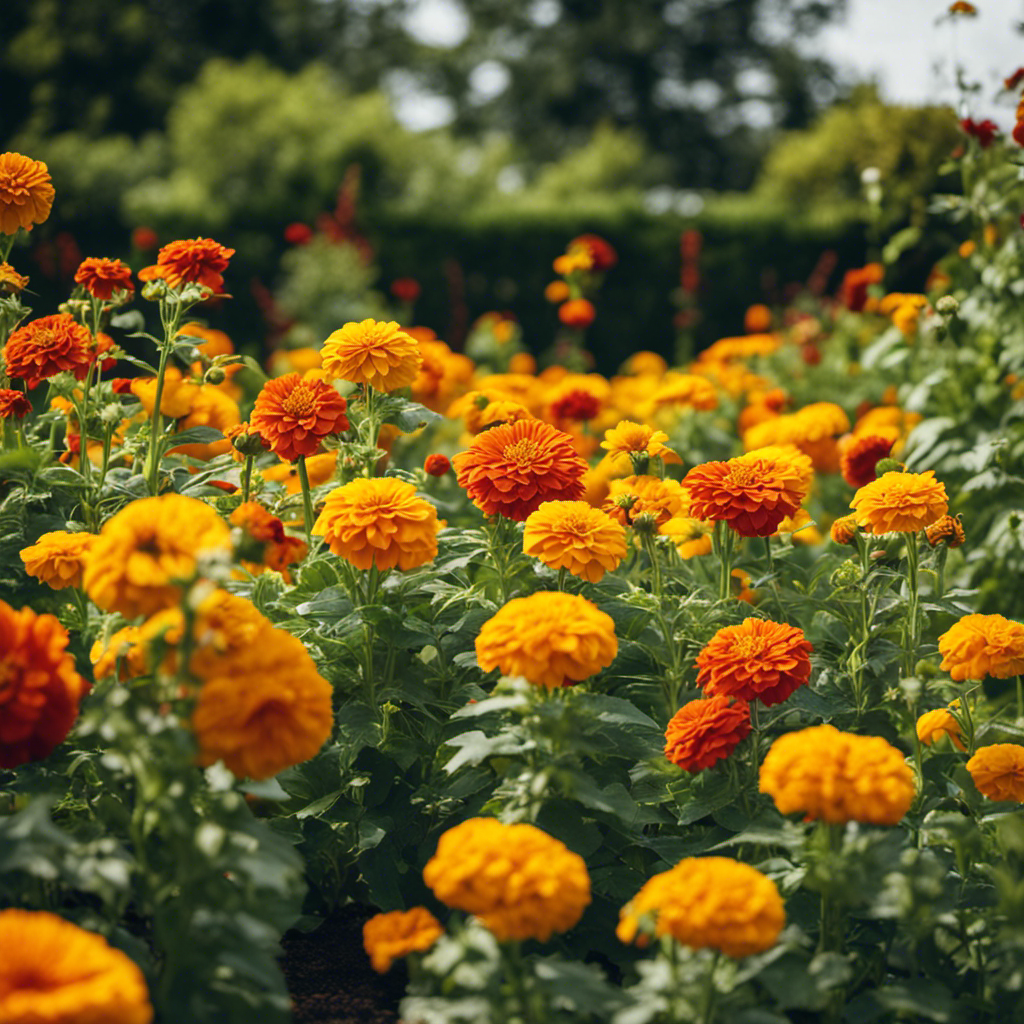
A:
(634, 120)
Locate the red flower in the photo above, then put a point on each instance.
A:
(405, 289)
(190, 261)
(854, 290)
(706, 730)
(298, 233)
(857, 462)
(295, 415)
(47, 346)
(14, 404)
(144, 239)
(576, 313)
(102, 277)
(437, 465)
(1014, 80)
(122, 385)
(602, 255)
(576, 405)
(984, 131)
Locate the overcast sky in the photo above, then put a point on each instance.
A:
(895, 41)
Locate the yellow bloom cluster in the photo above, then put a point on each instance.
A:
(574, 536)
(387, 937)
(58, 558)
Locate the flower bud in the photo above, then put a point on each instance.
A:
(947, 306)
(889, 466)
(215, 375)
(436, 464)
(646, 523)
(248, 440)
(847, 575)
(946, 530)
(844, 530)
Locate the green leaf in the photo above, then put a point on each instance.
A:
(477, 746)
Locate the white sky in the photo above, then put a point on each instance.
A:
(896, 42)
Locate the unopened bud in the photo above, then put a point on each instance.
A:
(844, 530)
(947, 306)
(215, 375)
(848, 574)
(925, 669)
(249, 441)
(646, 523)
(889, 466)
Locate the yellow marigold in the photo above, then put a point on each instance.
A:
(26, 192)
(900, 503)
(740, 348)
(933, 725)
(148, 552)
(707, 903)
(983, 645)
(388, 937)
(628, 439)
(122, 653)
(634, 496)
(320, 469)
(53, 972)
(844, 530)
(551, 639)
(691, 537)
(998, 771)
(176, 399)
(58, 558)
(519, 881)
(645, 363)
(210, 408)
(264, 708)
(572, 535)
(379, 522)
(372, 352)
(686, 389)
(838, 777)
(443, 375)
(11, 282)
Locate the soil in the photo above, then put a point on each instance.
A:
(330, 978)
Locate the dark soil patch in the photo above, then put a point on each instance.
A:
(330, 978)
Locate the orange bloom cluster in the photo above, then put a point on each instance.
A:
(751, 493)
(634, 496)
(39, 688)
(948, 530)
(838, 777)
(102, 277)
(295, 414)
(512, 469)
(14, 404)
(983, 645)
(756, 660)
(853, 292)
(704, 731)
(58, 558)
(578, 313)
(686, 389)
(574, 536)
(933, 725)
(998, 771)
(627, 440)
(376, 353)
(48, 346)
(900, 503)
(388, 937)
(273, 548)
(26, 192)
(199, 261)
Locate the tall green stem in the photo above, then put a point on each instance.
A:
(912, 604)
(170, 318)
(723, 541)
(247, 477)
(307, 498)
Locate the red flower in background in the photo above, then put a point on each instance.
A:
(405, 289)
(144, 239)
(14, 404)
(984, 131)
(577, 313)
(298, 233)
(602, 255)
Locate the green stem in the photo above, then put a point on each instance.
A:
(307, 499)
(723, 541)
(170, 320)
(370, 426)
(247, 476)
(562, 573)
(708, 1009)
(6, 245)
(496, 544)
(912, 605)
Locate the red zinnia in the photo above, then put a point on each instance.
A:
(190, 261)
(757, 660)
(14, 404)
(705, 731)
(858, 458)
(576, 405)
(576, 313)
(984, 131)
(102, 277)
(48, 346)
(295, 415)
(512, 469)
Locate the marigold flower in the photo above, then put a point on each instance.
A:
(199, 261)
(102, 277)
(319, 469)
(933, 725)
(39, 688)
(176, 400)
(122, 652)
(574, 536)
(387, 937)
(575, 404)
(983, 645)
(379, 522)
(405, 289)
(962, 7)
(751, 493)
(691, 537)
(556, 292)
(686, 389)
(844, 530)
(264, 709)
(570, 263)
(295, 415)
(707, 903)
(551, 639)
(854, 290)
(376, 353)
(53, 972)
(756, 660)
(58, 558)
(514, 468)
(147, 553)
(627, 439)
(645, 363)
(48, 346)
(11, 282)
(520, 882)
(948, 530)
(900, 502)
(757, 319)
(436, 465)
(838, 777)
(577, 313)
(258, 523)
(211, 407)
(634, 496)
(245, 441)
(704, 731)
(14, 404)
(998, 771)
(602, 255)
(858, 457)
(26, 192)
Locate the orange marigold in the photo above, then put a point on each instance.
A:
(58, 558)
(627, 440)
(436, 464)
(211, 407)
(858, 456)
(26, 192)
(751, 493)
(933, 725)
(983, 645)
(704, 731)
(264, 709)
(844, 530)
(147, 553)
(53, 972)
(14, 404)
(756, 660)
(176, 399)
(578, 313)
(707, 903)
(998, 771)
(379, 522)
(199, 261)
(102, 277)
(377, 353)
(121, 653)
(319, 469)
(838, 777)
(387, 937)
(691, 537)
(551, 639)
(900, 502)
(295, 415)
(686, 389)
(514, 468)
(634, 496)
(574, 536)
(39, 688)
(48, 346)
(948, 530)
(11, 282)
(519, 881)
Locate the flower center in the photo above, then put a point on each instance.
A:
(300, 402)
(741, 476)
(748, 646)
(576, 523)
(522, 452)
